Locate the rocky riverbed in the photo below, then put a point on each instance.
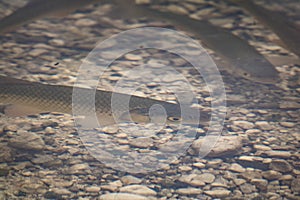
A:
(43, 156)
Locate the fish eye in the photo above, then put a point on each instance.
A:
(174, 119)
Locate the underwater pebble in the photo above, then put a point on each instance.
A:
(244, 124)
(127, 180)
(218, 193)
(27, 141)
(122, 196)
(188, 191)
(138, 189)
(280, 165)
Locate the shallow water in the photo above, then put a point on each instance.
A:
(44, 156)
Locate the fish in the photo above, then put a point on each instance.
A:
(241, 59)
(37, 9)
(279, 23)
(24, 98)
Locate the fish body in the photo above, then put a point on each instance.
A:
(37, 9)
(54, 98)
(242, 59)
(287, 31)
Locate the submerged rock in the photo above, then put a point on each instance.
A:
(225, 146)
(27, 141)
(122, 196)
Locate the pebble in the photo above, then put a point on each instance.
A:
(93, 189)
(249, 175)
(111, 188)
(281, 166)
(46, 160)
(188, 191)
(286, 177)
(177, 9)
(278, 154)
(262, 147)
(185, 168)
(247, 188)
(122, 196)
(78, 168)
(239, 181)
(263, 125)
(236, 168)
(5, 153)
(127, 180)
(141, 142)
(253, 132)
(225, 146)
(199, 165)
(27, 141)
(138, 189)
(52, 195)
(244, 124)
(57, 42)
(110, 129)
(260, 183)
(192, 179)
(271, 175)
(287, 124)
(133, 57)
(49, 130)
(12, 128)
(218, 193)
(4, 170)
(61, 191)
(85, 22)
(206, 177)
(37, 52)
(295, 185)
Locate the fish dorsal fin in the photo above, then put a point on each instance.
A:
(4, 80)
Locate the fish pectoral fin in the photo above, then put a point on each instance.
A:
(14, 110)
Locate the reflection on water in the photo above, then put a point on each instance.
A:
(257, 156)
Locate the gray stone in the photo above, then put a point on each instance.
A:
(278, 154)
(260, 183)
(295, 185)
(280, 165)
(225, 146)
(127, 180)
(263, 125)
(207, 177)
(138, 189)
(287, 124)
(5, 153)
(247, 188)
(61, 191)
(244, 124)
(27, 141)
(236, 168)
(218, 193)
(142, 142)
(93, 189)
(122, 196)
(271, 175)
(188, 191)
